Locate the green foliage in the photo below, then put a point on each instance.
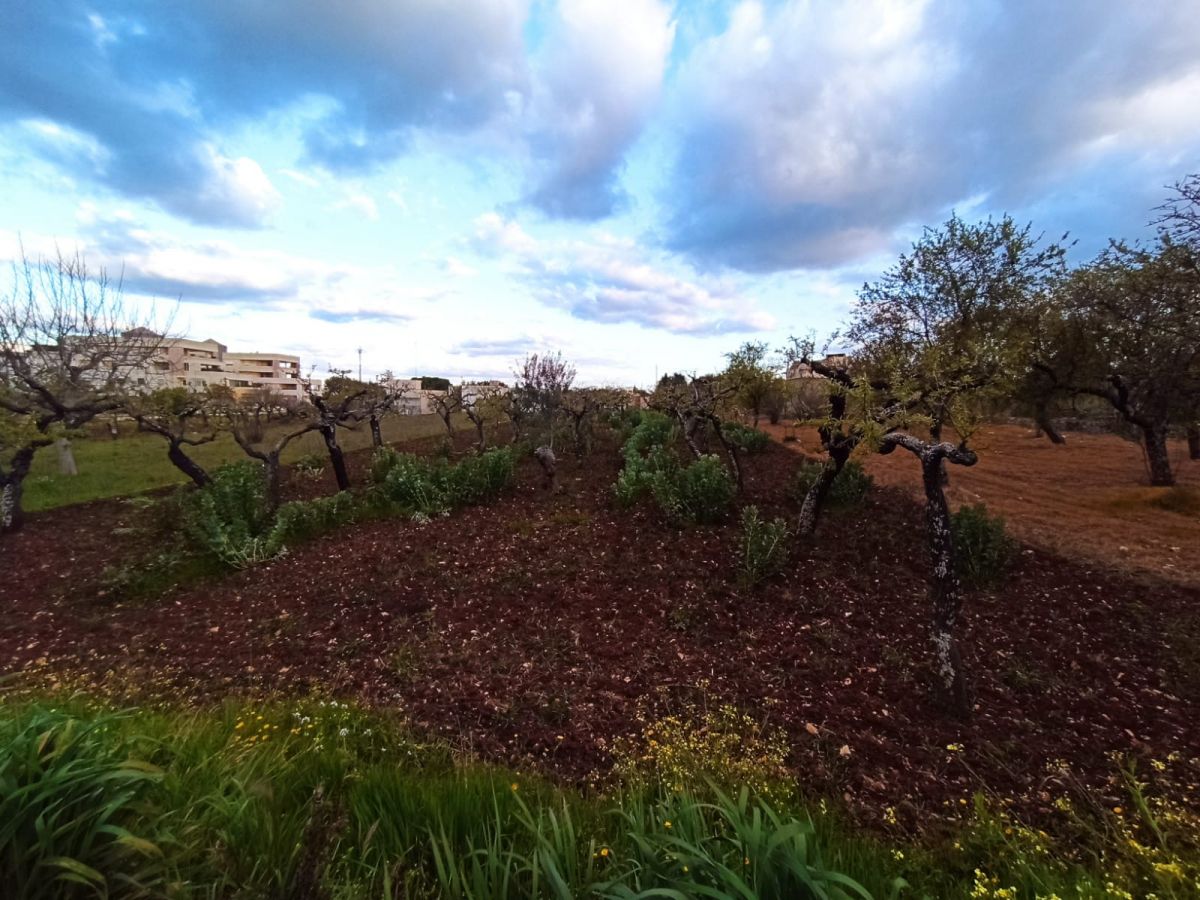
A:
(302, 520)
(982, 546)
(70, 798)
(849, 488)
(748, 440)
(701, 493)
(764, 547)
(698, 493)
(229, 518)
(425, 487)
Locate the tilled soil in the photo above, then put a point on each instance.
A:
(538, 630)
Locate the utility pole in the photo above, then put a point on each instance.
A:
(360, 364)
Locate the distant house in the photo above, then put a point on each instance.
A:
(801, 370)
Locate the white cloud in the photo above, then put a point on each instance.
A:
(609, 279)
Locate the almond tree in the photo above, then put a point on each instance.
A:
(938, 337)
(338, 404)
(68, 352)
(538, 391)
(243, 417)
(446, 404)
(173, 414)
(481, 403)
(700, 406)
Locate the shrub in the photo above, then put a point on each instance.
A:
(301, 520)
(229, 517)
(70, 796)
(478, 479)
(849, 488)
(983, 548)
(311, 465)
(701, 493)
(748, 440)
(382, 461)
(428, 488)
(764, 547)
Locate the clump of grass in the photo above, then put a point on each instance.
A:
(764, 547)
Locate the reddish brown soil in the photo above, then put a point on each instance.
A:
(539, 629)
(1088, 500)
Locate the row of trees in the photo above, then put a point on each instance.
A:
(979, 317)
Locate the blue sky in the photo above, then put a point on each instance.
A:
(643, 185)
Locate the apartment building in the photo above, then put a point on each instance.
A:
(196, 365)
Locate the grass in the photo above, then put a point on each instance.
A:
(321, 798)
(137, 463)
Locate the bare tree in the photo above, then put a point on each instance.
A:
(541, 384)
(243, 417)
(700, 406)
(339, 403)
(481, 403)
(69, 349)
(173, 414)
(446, 405)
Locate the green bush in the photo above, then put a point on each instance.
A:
(849, 488)
(477, 479)
(764, 547)
(229, 518)
(701, 493)
(748, 440)
(433, 487)
(70, 799)
(301, 520)
(982, 546)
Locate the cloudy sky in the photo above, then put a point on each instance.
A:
(639, 183)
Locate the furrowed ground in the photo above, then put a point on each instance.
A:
(1086, 500)
(541, 630)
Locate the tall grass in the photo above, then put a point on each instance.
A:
(318, 798)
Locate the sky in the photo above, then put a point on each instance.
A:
(641, 185)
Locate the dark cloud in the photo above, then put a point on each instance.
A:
(809, 133)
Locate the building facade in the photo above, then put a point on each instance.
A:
(197, 365)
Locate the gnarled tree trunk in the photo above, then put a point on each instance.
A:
(12, 489)
(1154, 438)
(950, 687)
(329, 433)
(818, 492)
(376, 432)
(1041, 417)
(1193, 441)
(186, 464)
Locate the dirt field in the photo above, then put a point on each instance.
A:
(541, 629)
(1088, 500)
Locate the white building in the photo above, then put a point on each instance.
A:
(196, 365)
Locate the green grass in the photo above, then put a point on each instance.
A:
(315, 798)
(136, 463)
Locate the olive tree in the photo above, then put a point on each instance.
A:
(69, 351)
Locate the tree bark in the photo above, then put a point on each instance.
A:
(329, 433)
(814, 500)
(1154, 438)
(376, 432)
(950, 689)
(12, 489)
(1193, 441)
(1042, 417)
(186, 464)
(270, 463)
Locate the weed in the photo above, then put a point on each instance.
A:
(983, 548)
(764, 550)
